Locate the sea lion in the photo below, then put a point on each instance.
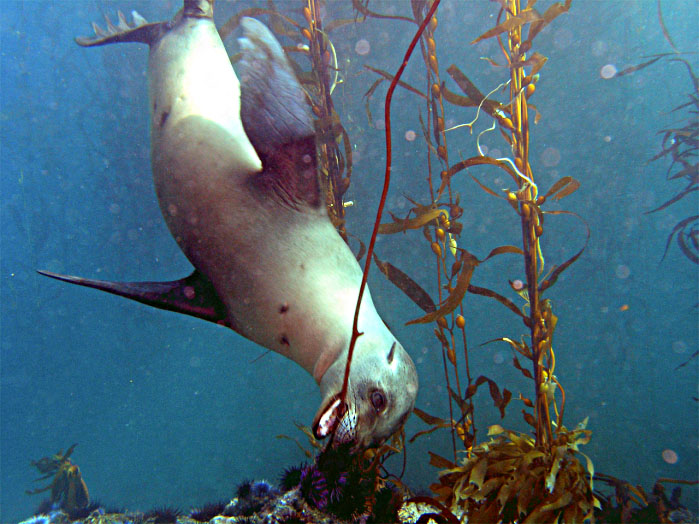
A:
(236, 179)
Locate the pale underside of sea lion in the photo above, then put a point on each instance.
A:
(235, 174)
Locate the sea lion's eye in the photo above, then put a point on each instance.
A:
(378, 400)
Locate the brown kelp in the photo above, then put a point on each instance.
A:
(67, 486)
(630, 503)
(679, 144)
(488, 483)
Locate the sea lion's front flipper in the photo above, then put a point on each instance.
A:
(193, 295)
(138, 31)
(277, 119)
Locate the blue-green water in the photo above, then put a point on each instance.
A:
(168, 409)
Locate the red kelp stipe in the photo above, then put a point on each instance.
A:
(386, 183)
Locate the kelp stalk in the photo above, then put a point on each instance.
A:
(530, 221)
(330, 132)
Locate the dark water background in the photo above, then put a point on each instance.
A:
(168, 409)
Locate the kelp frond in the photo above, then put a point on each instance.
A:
(511, 479)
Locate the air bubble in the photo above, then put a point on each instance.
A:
(362, 47)
(608, 71)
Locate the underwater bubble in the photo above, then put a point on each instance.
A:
(517, 285)
(114, 209)
(608, 71)
(678, 346)
(362, 47)
(607, 138)
(379, 123)
(599, 48)
(495, 153)
(551, 157)
(562, 38)
(484, 149)
(670, 456)
(499, 357)
(622, 271)
(410, 135)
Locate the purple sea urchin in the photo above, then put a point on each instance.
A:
(252, 496)
(260, 488)
(335, 483)
(208, 511)
(162, 515)
(243, 489)
(314, 487)
(81, 513)
(291, 477)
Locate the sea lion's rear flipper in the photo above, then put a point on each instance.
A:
(193, 295)
(277, 118)
(138, 31)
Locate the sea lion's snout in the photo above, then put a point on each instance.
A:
(380, 397)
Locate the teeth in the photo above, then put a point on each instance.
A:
(347, 428)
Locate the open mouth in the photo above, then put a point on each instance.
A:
(338, 419)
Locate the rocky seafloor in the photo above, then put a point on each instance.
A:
(260, 504)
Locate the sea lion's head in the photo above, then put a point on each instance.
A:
(380, 395)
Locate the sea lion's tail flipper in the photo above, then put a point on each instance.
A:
(138, 31)
(193, 295)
